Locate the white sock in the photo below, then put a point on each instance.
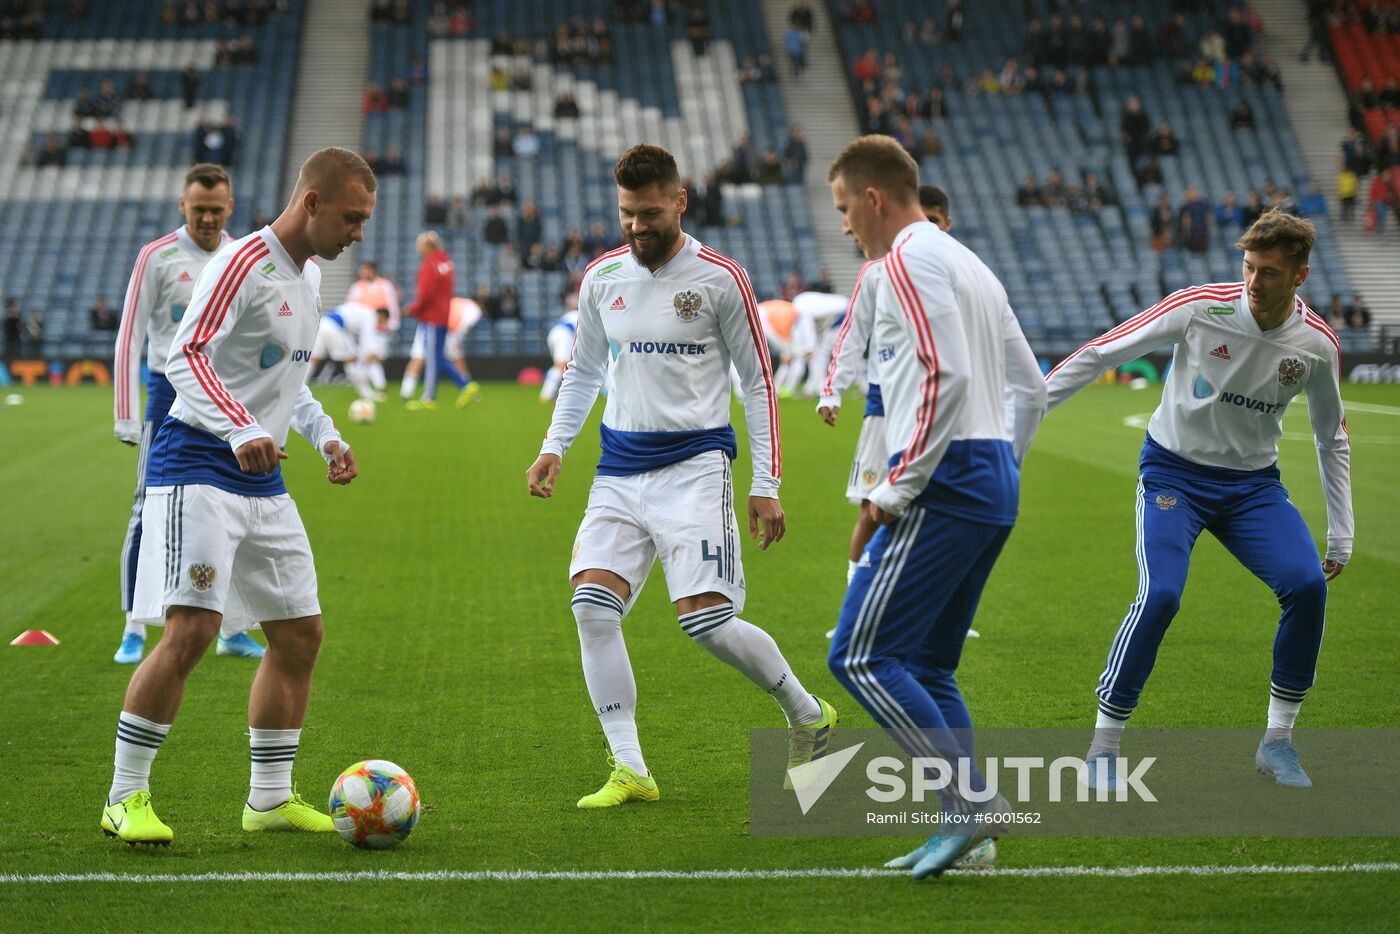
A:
(608, 672)
(850, 570)
(229, 628)
(272, 753)
(751, 650)
(552, 379)
(138, 740)
(1283, 713)
(131, 626)
(375, 371)
(1108, 733)
(410, 383)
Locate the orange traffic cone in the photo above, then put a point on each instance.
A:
(34, 637)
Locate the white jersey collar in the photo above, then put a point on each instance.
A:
(182, 234)
(280, 256)
(689, 248)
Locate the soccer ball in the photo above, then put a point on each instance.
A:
(362, 411)
(374, 804)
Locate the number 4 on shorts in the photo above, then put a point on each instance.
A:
(717, 556)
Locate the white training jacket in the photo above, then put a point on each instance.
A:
(671, 336)
(162, 282)
(238, 365)
(1224, 399)
(963, 393)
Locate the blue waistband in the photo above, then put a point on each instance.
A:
(632, 452)
(160, 396)
(182, 455)
(977, 479)
(874, 400)
(1156, 457)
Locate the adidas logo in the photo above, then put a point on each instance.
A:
(285, 311)
(1222, 352)
(184, 277)
(618, 305)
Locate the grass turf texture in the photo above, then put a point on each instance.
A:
(450, 649)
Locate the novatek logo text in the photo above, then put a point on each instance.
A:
(1254, 405)
(666, 347)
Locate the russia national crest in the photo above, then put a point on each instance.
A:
(1290, 370)
(687, 303)
(1165, 501)
(201, 576)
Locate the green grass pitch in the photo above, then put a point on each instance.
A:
(451, 650)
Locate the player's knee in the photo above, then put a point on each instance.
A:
(298, 639)
(842, 667)
(184, 649)
(1161, 603)
(597, 611)
(1305, 586)
(709, 624)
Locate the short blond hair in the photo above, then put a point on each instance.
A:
(1278, 230)
(329, 170)
(877, 161)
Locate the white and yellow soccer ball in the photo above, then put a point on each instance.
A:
(374, 804)
(362, 411)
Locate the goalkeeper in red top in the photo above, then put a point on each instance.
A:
(432, 306)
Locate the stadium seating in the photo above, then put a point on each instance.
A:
(656, 89)
(1070, 276)
(1361, 56)
(79, 227)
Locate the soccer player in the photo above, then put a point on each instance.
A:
(870, 466)
(432, 306)
(792, 338)
(825, 311)
(1241, 352)
(946, 351)
(463, 314)
(937, 210)
(677, 313)
(348, 335)
(156, 299)
(561, 348)
(238, 363)
(374, 290)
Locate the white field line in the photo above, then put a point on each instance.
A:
(743, 875)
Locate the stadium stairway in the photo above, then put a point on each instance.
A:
(326, 111)
(1317, 108)
(820, 103)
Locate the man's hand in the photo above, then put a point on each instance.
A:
(128, 431)
(875, 514)
(1331, 569)
(259, 456)
(540, 477)
(342, 467)
(829, 413)
(766, 515)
